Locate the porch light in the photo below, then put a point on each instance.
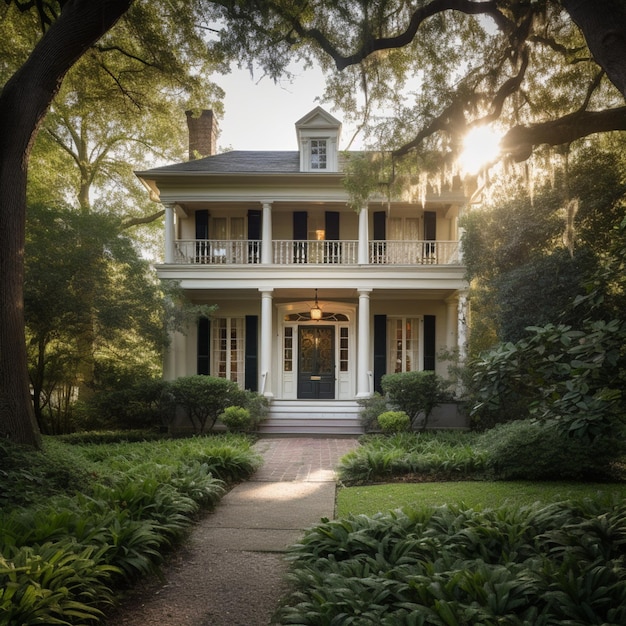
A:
(316, 312)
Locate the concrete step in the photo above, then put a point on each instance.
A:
(324, 417)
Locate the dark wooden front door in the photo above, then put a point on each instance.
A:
(316, 362)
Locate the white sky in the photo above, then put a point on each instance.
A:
(261, 115)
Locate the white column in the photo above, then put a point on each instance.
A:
(265, 384)
(363, 387)
(266, 234)
(363, 245)
(169, 233)
(452, 322)
(463, 322)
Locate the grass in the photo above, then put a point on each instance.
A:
(369, 500)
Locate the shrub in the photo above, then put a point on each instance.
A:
(415, 393)
(534, 450)
(371, 408)
(203, 398)
(560, 564)
(237, 419)
(394, 421)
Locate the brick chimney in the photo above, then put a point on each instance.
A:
(202, 133)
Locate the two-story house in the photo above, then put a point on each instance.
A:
(315, 301)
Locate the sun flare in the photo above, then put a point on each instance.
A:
(480, 147)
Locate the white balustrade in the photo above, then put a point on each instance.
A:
(314, 252)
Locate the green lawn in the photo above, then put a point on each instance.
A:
(472, 494)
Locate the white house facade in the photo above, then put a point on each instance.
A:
(315, 301)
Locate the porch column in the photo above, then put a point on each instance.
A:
(452, 322)
(363, 245)
(463, 324)
(169, 233)
(266, 234)
(364, 382)
(265, 384)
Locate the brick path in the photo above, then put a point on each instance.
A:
(302, 459)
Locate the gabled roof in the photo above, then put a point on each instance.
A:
(318, 117)
(237, 162)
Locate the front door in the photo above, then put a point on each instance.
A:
(316, 362)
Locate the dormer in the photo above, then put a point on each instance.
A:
(318, 140)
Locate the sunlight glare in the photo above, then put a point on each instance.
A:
(480, 147)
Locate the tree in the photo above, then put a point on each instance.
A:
(431, 71)
(69, 29)
(528, 261)
(81, 272)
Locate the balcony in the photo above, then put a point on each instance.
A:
(314, 252)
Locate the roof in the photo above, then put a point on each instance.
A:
(238, 162)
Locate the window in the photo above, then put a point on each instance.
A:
(288, 350)
(228, 352)
(343, 349)
(403, 334)
(318, 154)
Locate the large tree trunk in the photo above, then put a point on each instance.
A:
(23, 105)
(603, 25)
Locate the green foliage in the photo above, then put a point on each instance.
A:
(394, 422)
(139, 405)
(533, 450)
(415, 393)
(237, 419)
(371, 408)
(203, 398)
(554, 564)
(66, 558)
(574, 377)
(26, 476)
(433, 455)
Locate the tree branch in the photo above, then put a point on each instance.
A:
(519, 141)
(136, 221)
(398, 41)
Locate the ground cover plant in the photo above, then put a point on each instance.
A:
(557, 564)
(79, 522)
(524, 449)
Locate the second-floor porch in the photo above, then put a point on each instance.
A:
(314, 252)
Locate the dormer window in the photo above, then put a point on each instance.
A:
(319, 154)
(318, 141)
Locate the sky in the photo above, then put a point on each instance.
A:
(261, 115)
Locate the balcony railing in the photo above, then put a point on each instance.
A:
(414, 252)
(291, 252)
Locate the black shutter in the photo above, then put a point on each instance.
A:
(202, 224)
(204, 346)
(300, 225)
(378, 252)
(331, 225)
(251, 378)
(380, 350)
(300, 233)
(429, 342)
(254, 236)
(430, 226)
(332, 251)
(380, 226)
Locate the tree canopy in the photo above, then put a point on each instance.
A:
(420, 75)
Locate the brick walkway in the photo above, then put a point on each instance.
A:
(303, 459)
(231, 570)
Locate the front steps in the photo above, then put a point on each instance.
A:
(306, 417)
